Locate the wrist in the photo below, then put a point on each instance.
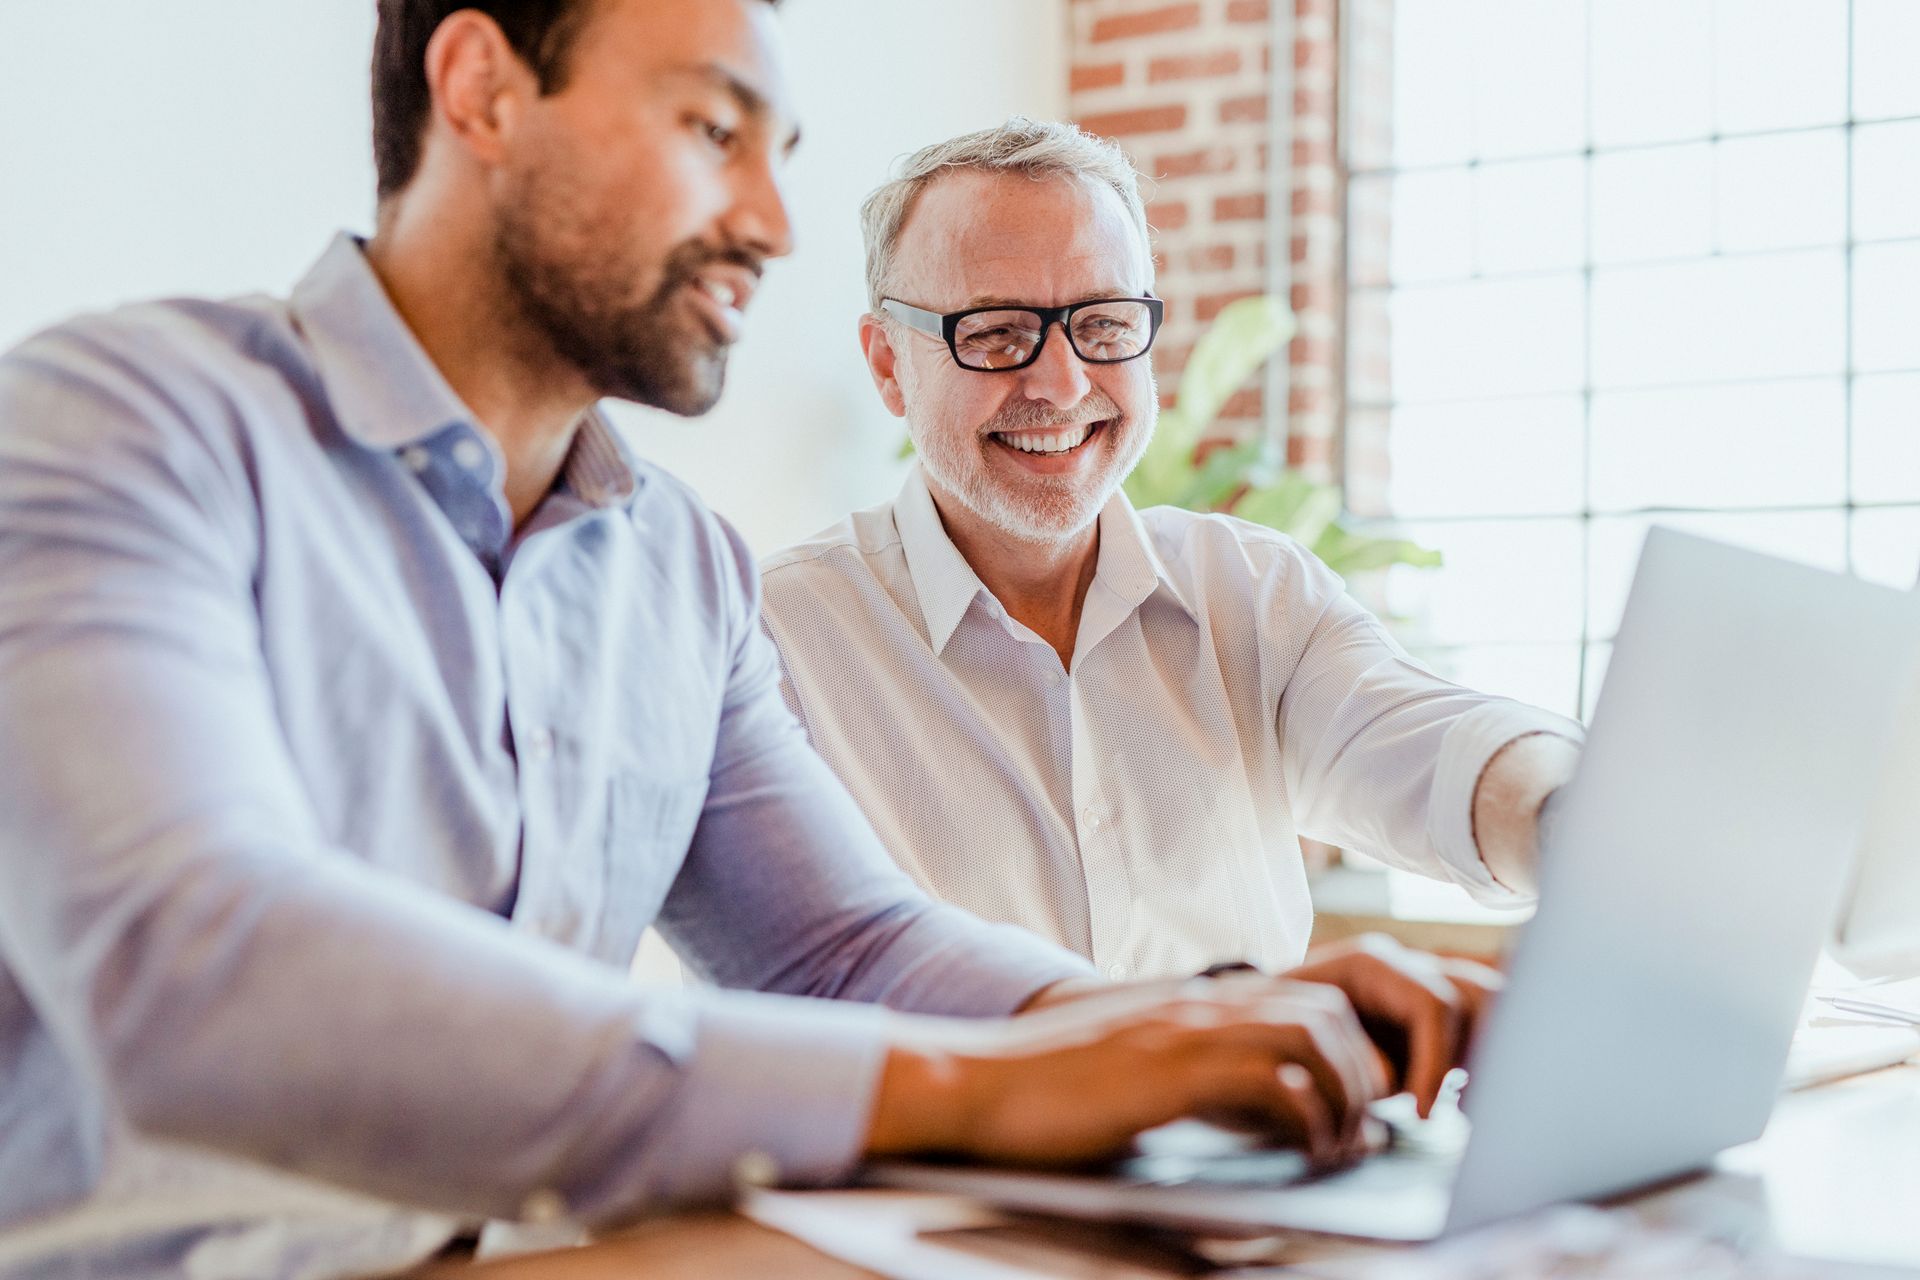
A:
(1062, 992)
(1507, 800)
(920, 1105)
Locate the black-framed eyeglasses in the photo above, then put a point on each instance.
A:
(1002, 339)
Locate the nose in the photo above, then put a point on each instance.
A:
(758, 217)
(1057, 375)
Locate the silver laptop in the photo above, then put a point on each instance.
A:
(1690, 872)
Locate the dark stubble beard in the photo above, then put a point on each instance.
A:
(574, 293)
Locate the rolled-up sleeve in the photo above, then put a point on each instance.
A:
(1382, 755)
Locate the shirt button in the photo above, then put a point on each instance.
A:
(543, 1207)
(540, 743)
(469, 454)
(756, 1169)
(1054, 677)
(416, 458)
(1092, 816)
(1118, 972)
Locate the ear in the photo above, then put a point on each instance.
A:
(478, 84)
(882, 364)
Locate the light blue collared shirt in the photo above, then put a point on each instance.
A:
(332, 809)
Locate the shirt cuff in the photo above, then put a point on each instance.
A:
(780, 1088)
(1470, 744)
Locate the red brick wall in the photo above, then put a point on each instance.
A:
(1184, 87)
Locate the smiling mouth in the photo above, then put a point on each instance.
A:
(721, 307)
(719, 290)
(1050, 444)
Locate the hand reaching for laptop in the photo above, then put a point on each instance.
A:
(1296, 1057)
(1421, 1010)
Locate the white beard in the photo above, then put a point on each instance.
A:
(1043, 509)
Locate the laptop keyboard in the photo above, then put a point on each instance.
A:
(1248, 1169)
(1408, 1151)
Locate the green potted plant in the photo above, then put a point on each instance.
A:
(1240, 479)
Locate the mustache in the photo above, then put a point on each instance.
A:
(686, 261)
(1032, 415)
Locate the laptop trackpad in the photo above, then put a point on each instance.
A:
(1189, 1152)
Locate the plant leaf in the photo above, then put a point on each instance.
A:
(1292, 504)
(1224, 472)
(1162, 472)
(1348, 553)
(1239, 340)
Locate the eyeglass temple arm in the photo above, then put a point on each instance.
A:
(926, 321)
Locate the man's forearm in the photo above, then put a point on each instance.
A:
(1506, 804)
(1061, 992)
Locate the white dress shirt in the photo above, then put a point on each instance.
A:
(1227, 697)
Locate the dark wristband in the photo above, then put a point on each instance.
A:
(1227, 966)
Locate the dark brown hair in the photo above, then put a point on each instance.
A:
(541, 33)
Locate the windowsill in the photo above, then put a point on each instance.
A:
(1418, 912)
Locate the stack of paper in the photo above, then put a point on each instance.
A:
(1897, 1003)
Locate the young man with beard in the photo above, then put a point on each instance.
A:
(1108, 726)
(362, 700)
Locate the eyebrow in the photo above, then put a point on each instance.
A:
(1002, 300)
(749, 99)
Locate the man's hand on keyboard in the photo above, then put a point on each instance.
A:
(1075, 1081)
(1420, 1009)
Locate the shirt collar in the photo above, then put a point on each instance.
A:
(943, 580)
(598, 468)
(386, 391)
(1129, 565)
(947, 586)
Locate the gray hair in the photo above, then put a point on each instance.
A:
(1037, 148)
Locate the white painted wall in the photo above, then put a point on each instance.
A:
(203, 146)
(212, 147)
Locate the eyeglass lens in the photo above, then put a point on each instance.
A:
(1104, 332)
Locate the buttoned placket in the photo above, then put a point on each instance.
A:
(1104, 850)
(461, 471)
(1106, 874)
(543, 905)
(561, 898)
(1103, 854)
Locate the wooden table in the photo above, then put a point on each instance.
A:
(1837, 1176)
(692, 1246)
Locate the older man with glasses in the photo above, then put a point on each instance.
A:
(1109, 726)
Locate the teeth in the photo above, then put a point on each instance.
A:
(1068, 438)
(720, 291)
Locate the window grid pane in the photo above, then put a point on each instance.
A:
(1598, 317)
